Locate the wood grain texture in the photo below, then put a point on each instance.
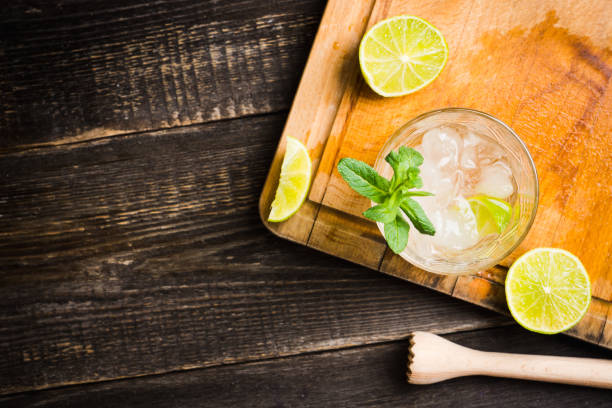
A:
(364, 376)
(329, 70)
(145, 254)
(347, 237)
(551, 84)
(79, 70)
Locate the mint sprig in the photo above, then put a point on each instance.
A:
(393, 197)
(364, 179)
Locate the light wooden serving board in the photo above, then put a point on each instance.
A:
(543, 67)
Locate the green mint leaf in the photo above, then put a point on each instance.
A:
(405, 162)
(412, 193)
(410, 156)
(395, 200)
(417, 182)
(386, 211)
(399, 170)
(381, 213)
(396, 234)
(413, 178)
(419, 219)
(393, 158)
(363, 179)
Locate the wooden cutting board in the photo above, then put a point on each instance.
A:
(542, 67)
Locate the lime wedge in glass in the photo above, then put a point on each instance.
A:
(548, 290)
(401, 55)
(492, 214)
(294, 181)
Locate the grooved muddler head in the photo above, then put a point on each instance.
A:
(432, 359)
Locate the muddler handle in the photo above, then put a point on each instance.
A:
(433, 358)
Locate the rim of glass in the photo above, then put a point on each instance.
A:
(510, 131)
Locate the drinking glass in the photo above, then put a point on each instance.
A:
(523, 170)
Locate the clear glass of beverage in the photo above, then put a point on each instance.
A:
(466, 153)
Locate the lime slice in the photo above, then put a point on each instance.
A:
(294, 181)
(492, 214)
(548, 290)
(401, 55)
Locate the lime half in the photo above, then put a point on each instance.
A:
(401, 55)
(294, 181)
(492, 214)
(548, 290)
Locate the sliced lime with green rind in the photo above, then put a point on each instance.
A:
(401, 55)
(293, 183)
(492, 214)
(548, 290)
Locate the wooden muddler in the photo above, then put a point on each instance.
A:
(432, 359)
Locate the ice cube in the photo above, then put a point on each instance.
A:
(434, 181)
(457, 227)
(471, 139)
(488, 152)
(424, 244)
(442, 147)
(495, 181)
(468, 158)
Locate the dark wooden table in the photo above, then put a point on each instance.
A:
(135, 271)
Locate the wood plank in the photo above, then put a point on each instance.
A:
(593, 324)
(330, 67)
(76, 70)
(539, 68)
(364, 376)
(395, 265)
(145, 254)
(348, 236)
(606, 335)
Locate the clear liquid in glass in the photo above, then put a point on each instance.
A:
(459, 164)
